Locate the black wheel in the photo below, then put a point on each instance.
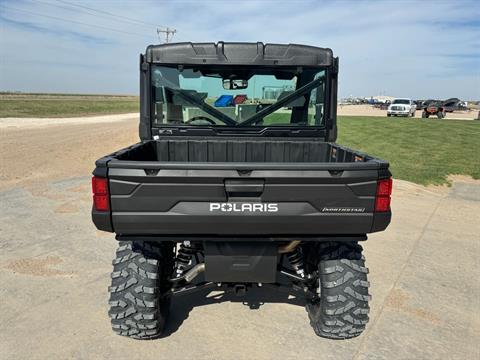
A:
(341, 311)
(139, 303)
(424, 114)
(440, 114)
(388, 115)
(413, 114)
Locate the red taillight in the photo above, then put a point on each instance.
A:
(382, 199)
(382, 204)
(384, 187)
(101, 202)
(99, 186)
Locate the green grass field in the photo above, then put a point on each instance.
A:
(64, 105)
(421, 151)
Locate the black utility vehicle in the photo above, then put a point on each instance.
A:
(235, 196)
(433, 108)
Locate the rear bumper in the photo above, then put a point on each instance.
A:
(102, 220)
(398, 112)
(275, 227)
(255, 239)
(164, 223)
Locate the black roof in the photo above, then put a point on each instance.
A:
(228, 53)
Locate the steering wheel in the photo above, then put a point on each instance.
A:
(203, 120)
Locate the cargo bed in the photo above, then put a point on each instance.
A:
(243, 187)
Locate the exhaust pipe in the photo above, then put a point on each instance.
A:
(292, 245)
(194, 272)
(191, 274)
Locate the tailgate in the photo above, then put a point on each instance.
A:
(243, 199)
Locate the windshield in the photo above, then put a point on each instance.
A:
(237, 97)
(401, 101)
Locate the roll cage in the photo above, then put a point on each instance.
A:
(246, 56)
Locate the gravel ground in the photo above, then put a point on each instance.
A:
(55, 267)
(47, 150)
(20, 123)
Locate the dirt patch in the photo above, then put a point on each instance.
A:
(407, 187)
(58, 152)
(66, 208)
(12, 123)
(463, 179)
(401, 187)
(83, 188)
(37, 267)
(99, 233)
(42, 190)
(399, 300)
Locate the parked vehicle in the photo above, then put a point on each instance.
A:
(441, 107)
(418, 104)
(240, 99)
(224, 101)
(453, 104)
(433, 108)
(402, 107)
(385, 105)
(229, 203)
(428, 102)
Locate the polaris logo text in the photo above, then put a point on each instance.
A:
(243, 207)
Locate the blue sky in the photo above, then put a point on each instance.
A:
(426, 49)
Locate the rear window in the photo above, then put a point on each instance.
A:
(401, 101)
(197, 96)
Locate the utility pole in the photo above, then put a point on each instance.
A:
(168, 33)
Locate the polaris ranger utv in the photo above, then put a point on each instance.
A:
(239, 194)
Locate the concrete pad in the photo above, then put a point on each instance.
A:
(432, 309)
(54, 270)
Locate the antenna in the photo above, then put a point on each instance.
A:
(168, 33)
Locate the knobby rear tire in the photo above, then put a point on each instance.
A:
(139, 301)
(342, 310)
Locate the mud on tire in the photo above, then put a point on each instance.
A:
(342, 310)
(138, 301)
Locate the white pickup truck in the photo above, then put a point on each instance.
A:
(402, 107)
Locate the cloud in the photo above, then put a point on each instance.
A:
(67, 34)
(401, 48)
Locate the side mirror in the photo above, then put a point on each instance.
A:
(235, 84)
